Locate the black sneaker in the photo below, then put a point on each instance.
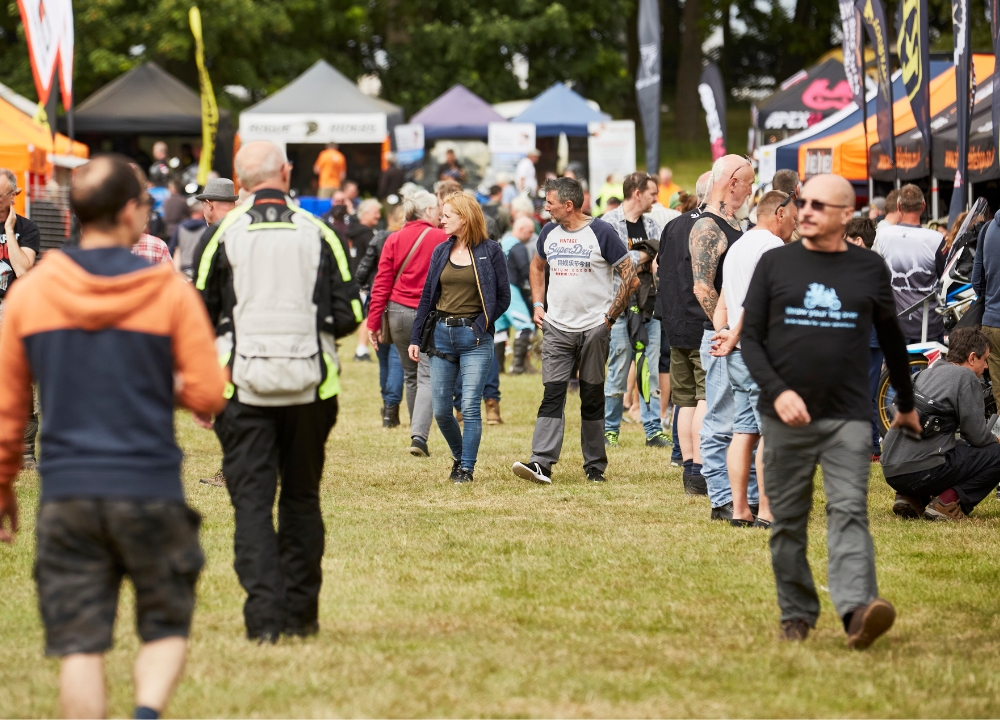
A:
(302, 631)
(723, 512)
(534, 472)
(595, 475)
(463, 476)
(659, 440)
(418, 448)
(362, 357)
(456, 467)
(694, 484)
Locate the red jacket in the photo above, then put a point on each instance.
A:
(411, 283)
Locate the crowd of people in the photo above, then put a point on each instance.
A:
(739, 325)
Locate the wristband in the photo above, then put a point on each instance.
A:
(534, 305)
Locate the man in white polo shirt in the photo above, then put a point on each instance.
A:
(583, 255)
(776, 215)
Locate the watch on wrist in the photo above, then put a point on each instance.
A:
(537, 304)
(610, 320)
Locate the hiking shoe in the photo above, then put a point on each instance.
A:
(660, 440)
(217, 480)
(694, 484)
(28, 462)
(723, 512)
(463, 476)
(493, 412)
(868, 622)
(937, 510)
(611, 439)
(906, 506)
(794, 630)
(534, 472)
(418, 447)
(390, 416)
(456, 467)
(595, 475)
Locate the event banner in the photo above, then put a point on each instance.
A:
(508, 143)
(963, 103)
(610, 150)
(994, 9)
(873, 17)
(209, 109)
(48, 28)
(854, 63)
(713, 99)
(409, 146)
(647, 80)
(913, 46)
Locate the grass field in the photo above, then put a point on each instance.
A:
(508, 599)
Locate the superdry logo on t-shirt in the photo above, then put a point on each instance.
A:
(820, 308)
(568, 258)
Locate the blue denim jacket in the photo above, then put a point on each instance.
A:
(491, 275)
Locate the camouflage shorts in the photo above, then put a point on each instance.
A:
(86, 548)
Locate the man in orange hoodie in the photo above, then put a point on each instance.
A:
(114, 344)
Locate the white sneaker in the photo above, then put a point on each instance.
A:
(533, 471)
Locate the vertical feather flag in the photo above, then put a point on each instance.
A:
(209, 109)
(647, 80)
(873, 17)
(963, 103)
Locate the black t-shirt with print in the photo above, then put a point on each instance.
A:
(27, 236)
(647, 284)
(807, 319)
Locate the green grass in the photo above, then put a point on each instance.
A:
(509, 599)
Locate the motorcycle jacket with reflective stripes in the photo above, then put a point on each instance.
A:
(277, 287)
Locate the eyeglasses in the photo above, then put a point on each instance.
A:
(802, 203)
(787, 200)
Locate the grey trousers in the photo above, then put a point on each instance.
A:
(842, 448)
(416, 376)
(561, 353)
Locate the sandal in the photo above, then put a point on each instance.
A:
(761, 523)
(736, 522)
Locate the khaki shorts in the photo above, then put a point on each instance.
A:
(687, 378)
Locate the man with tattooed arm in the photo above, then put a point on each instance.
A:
(583, 255)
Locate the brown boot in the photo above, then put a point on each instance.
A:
(493, 412)
(869, 622)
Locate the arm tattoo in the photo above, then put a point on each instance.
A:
(629, 284)
(708, 242)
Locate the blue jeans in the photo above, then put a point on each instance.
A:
(390, 375)
(717, 429)
(620, 358)
(491, 391)
(874, 373)
(473, 366)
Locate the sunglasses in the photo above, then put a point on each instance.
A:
(785, 202)
(818, 206)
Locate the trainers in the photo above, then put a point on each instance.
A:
(456, 467)
(694, 484)
(937, 510)
(868, 622)
(362, 357)
(418, 447)
(28, 462)
(906, 506)
(595, 475)
(534, 472)
(463, 476)
(611, 439)
(877, 459)
(217, 480)
(794, 630)
(659, 440)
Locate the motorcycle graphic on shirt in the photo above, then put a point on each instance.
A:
(821, 296)
(6, 271)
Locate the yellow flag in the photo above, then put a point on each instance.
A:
(209, 110)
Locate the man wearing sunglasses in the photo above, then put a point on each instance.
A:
(807, 317)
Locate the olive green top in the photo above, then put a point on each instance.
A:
(459, 292)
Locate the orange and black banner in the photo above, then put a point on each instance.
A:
(873, 18)
(913, 46)
(994, 8)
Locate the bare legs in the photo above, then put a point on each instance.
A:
(738, 459)
(689, 428)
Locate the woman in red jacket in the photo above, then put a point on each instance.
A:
(402, 270)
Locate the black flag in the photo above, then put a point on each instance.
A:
(647, 80)
(873, 17)
(854, 65)
(995, 28)
(914, 62)
(713, 100)
(963, 103)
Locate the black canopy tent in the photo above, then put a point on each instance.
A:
(147, 102)
(803, 100)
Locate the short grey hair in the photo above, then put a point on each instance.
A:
(703, 187)
(522, 205)
(11, 178)
(365, 205)
(566, 190)
(267, 164)
(417, 203)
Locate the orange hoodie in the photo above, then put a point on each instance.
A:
(108, 352)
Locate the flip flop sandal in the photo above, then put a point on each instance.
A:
(736, 522)
(758, 522)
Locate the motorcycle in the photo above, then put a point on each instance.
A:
(954, 294)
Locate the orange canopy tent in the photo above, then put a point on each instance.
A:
(25, 147)
(849, 148)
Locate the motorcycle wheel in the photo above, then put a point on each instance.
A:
(885, 396)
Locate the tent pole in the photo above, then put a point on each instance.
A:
(934, 198)
(864, 123)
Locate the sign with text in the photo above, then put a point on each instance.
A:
(306, 128)
(409, 145)
(611, 148)
(506, 138)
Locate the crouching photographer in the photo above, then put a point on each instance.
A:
(934, 475)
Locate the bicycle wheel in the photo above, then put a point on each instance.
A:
(886, 394)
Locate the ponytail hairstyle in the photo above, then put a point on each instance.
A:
(417, 203)
(466, 207)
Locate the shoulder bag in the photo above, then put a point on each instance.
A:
(385, 336)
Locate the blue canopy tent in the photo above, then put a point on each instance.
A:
(458, 113)
(559, 110)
